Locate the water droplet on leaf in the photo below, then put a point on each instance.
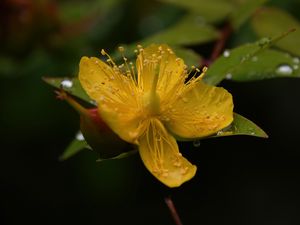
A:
(79, 136)
(196, 143)
(284, 70)
(228, 76)
(263, 42)
(296, 60)
(254, 59)
(226, 53)
(219, 133)
(93, 102)
(66, 84)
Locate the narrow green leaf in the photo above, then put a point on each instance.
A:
(76, 146)
(241, 126)
(242, 13)
(271, 21)
(268, 64)
(121, 156)
(188, 31)
(225, 65)
(210, 11)
(70, 85)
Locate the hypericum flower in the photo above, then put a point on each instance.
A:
(151, 104)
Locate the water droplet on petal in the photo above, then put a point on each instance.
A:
(196, 143)
(226, 53)
(66, 84)
(79, 136)
(284, 70)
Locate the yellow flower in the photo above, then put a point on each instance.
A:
(148, 105)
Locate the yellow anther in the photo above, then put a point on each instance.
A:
(103, 52)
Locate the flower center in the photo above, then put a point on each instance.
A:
(151, 103)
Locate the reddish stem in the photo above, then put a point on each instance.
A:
(220, 44)
(173, 210)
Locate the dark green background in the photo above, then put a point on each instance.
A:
(240, 180)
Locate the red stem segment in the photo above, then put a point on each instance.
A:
(220, 44)
(173, 211)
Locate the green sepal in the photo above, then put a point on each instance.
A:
(73, 148)
(100, 137)
(120, 156)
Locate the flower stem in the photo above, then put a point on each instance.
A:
(173, 211)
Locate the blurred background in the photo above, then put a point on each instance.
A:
(240, 180)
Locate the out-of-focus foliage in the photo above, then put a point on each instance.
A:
(271, 21)
(47, 38)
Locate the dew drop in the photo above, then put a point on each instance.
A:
(284, 70)
(93, 102)
(228, 76)
(254, 59)
(220, 132)
(196, 143)
(226, 53)
(296, 60)
(66, 84)
(79, 136)
(263, 42)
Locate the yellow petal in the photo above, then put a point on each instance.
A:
(160, 154)
(160, 60)
(126, 122)
(201, 111)
(116, 95)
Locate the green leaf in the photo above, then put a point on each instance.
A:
(76, 146)
(188, 31)
(210, 11)
(70, 85)
(271, 21)
(268, 64)
(232, 59)
(241, 126)
(121, 156)
(242, 14)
